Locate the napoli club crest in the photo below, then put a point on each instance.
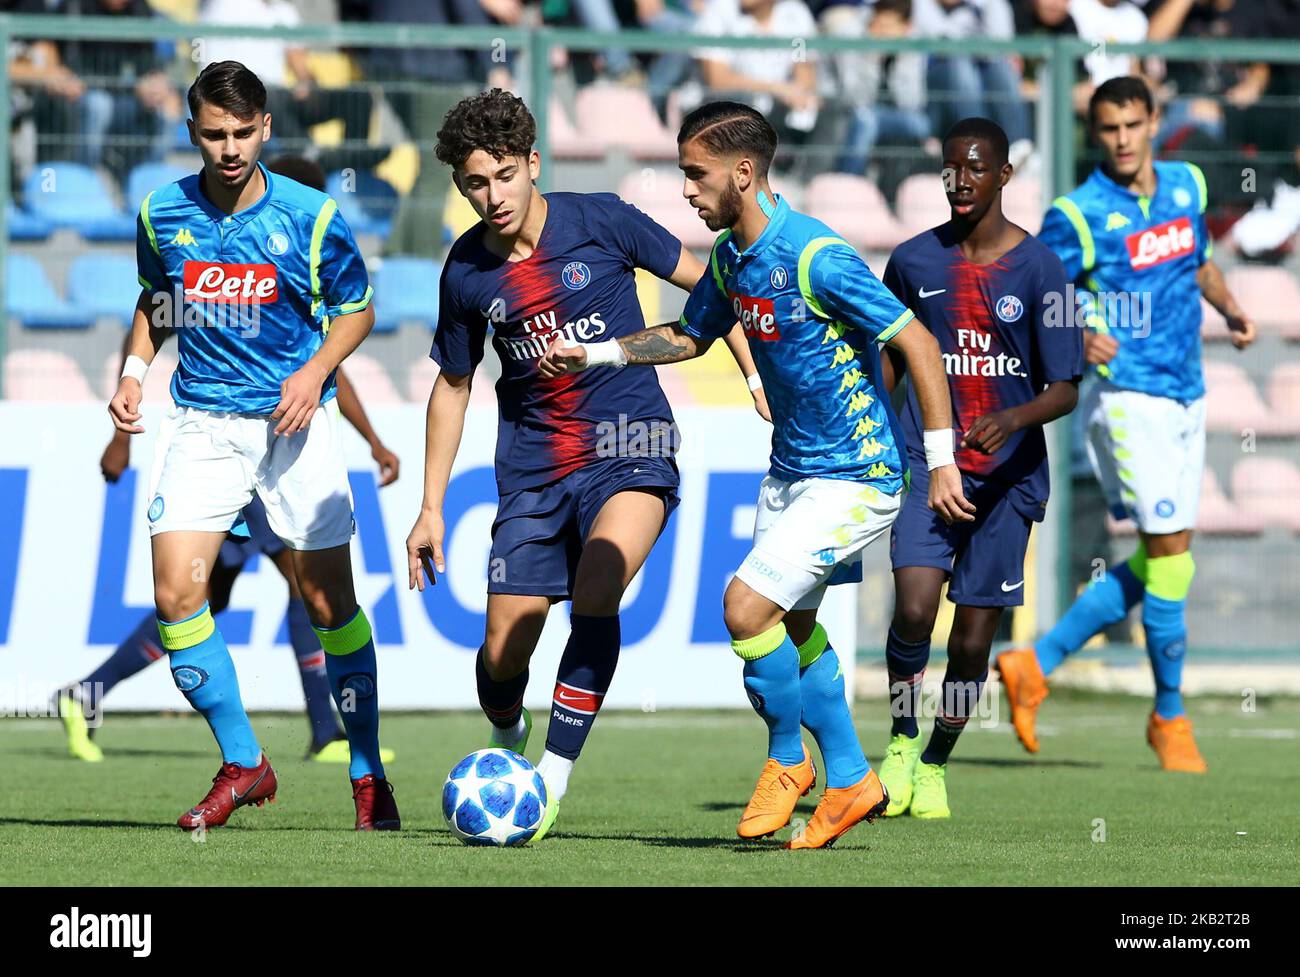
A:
(277, 243)
(1009, 308)
(575, 275)
(779, 277)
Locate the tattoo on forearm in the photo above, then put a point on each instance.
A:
(658, 345)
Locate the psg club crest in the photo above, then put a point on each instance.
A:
(1009, 308)
(779, 277)
(575, 275)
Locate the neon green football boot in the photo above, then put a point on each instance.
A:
(338, 751)
(80, 745)
(897, 770)
(548, 816)
(494, 742)
(929, 791)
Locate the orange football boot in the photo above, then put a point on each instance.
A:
(1173, 743)
(778, 791)
(1026, 689)
(840, 809)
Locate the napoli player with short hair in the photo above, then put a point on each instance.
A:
(267, 291)
(1133, 240)
(579, 512)
(813, 313)
(986, 289)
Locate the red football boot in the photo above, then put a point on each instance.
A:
(232, 787)
(376, 809)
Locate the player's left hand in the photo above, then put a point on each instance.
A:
(299, 398)
(1241, 330)
(947, 497)
(760, 405)
(990, 431)
(387, 462)
(562, 358)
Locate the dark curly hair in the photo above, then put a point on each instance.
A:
(495, 121)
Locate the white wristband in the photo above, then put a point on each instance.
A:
(608, 353)
(135, 368)
(754, 381)
(938, 448)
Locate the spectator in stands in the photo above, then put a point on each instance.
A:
(599, 15)
(669, 69)
(1109, 21)
(1049, 18)
(292, 96)
(111, 101)
(963, 86)
(891, 101)
(779, 82)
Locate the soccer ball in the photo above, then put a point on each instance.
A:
(494, 797)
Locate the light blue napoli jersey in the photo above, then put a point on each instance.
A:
(813, 313)
(1134, 260)
(254, 291)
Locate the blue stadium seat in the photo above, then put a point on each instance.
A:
(148, 177)
(32, 298)
(368, 205)
(104, 285)
(24, 226)
(406, 289)
(74, 196)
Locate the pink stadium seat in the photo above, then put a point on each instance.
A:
(616, 115)
(1284, 393)
(370, 380)
(566, 141)
(46, 375)
(419, 384)
(1022, 202)
(1213, 327)
(855, 208)
(1233, 405)
(922, 203)
(1269, 488)
(157, 385)
(659, 194)
(1270, 295)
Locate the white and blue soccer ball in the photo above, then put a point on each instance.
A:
(494, 797)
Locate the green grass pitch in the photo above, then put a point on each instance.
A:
(655, 801)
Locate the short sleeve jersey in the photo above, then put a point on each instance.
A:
(253, 292)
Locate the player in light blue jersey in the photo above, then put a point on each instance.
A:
(813, 314)
(261, 280)
(1134, 242)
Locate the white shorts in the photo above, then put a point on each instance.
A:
(207, 466)
(1149, 455)
(803, 529)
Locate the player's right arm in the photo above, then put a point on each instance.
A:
(457, 349)
(150, 325)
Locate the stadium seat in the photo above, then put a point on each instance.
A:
(406, 289)
(1220, 516)
(659, 194)
(922, 203)
(1271, 296)
(1022, 202)
(1214, 329)
(419, 384)
(1268, 488)
(74, 196)
(1284, 393)
(104, 286)
(33, 300)
(42, 374)
(1233, 405)
(370, 380)
(566, 142)
(23, 226)
(148, 177)
(620, 116)
(855, 208)
(157, 383)
(367, 202)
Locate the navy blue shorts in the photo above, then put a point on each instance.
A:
(538, 533)
(249, 536)
(984, 559)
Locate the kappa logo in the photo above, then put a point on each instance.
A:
(575, 275)
(183, 237)
(1115, 220)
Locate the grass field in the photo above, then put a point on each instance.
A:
(655, 801)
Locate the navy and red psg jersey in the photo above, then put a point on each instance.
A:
(578, 283)
(1002, 337)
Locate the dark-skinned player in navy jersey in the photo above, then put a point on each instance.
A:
(578, 512)
(986, 289)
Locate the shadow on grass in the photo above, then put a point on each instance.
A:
(87, 823)
(664, 841)
(1026, 762)
(61, 753)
